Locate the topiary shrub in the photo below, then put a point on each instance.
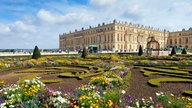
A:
(84, 53)
(140, 51)
(36, 53)
(173, 51)
(184, 51)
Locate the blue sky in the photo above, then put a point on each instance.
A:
(26, 23)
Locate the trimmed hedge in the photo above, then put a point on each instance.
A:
(148, 73)
(50, 81)
(187, 93)
(167, 71)
(170, 68)
(156, 82)
(29, 77)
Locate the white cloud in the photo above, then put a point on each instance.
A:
(4, 29)
(19, 26)
(71, 17)
(102, 3)
(43, 27)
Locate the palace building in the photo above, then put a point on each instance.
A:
(115, 36)
(180, 39)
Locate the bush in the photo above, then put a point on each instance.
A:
(84, 53)
(173, 51)
(36, 53)
(140, 51)
(184, 51)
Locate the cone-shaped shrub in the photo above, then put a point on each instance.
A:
(140, 51)
(36, 53)
(173, 51)
(184, 51)
(84, 53)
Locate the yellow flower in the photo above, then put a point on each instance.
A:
(76, 106)
(110, 103)
(83, 104)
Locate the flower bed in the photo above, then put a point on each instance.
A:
(106, 90)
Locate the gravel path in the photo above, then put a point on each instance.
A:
(139, 87)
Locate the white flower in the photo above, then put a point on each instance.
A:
(62, 100)
(3, 105)
(12, 95)
(27, 81)
(157, 94)
(104, 92)
(5, 93)
(38, 85)
(11, 106)
(120, 101)
(123, 91)
(151, 98)
(38, 77)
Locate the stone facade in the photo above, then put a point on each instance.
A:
(180, 39)
(115, 36)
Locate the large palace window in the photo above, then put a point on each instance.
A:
(112, 37)
(117, 37)
(170, 41)
(179, 40)
(175, 41)
(186, 40)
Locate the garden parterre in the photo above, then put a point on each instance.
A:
(104, 91)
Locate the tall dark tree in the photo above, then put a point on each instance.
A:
(184, 51)
(36, 53)
(173, 51)
(84, 53)
(140, 51)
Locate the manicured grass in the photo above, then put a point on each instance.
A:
(156, 82)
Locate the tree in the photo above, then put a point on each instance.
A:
(140, 51)
(36, 53)
(84, 53)
(184, 51)
(173, 51)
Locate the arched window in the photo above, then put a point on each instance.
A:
(117, 37)
(179, 40)
(186, 40)
(175, 41)
(112, 38)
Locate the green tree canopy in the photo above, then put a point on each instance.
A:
(36, 53)
(140, 51)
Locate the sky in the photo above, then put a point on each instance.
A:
(26, 23)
